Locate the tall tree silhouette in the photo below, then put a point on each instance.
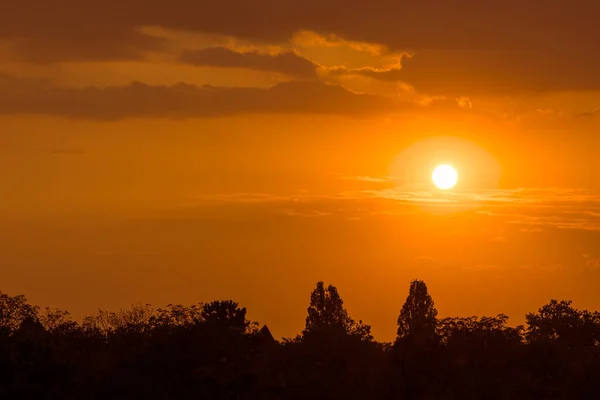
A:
(327, 310)
(418, 317)
(414, 353)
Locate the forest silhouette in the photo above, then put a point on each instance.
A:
(212, 351)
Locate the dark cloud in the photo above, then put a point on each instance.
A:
(120, 46)
(469, 72)
(561, 38)
(288, 63)
(24, 96)
(397, 23)
(591, 113)
(67, 152)
(465, 72)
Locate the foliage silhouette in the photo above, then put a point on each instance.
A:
(327, 313)
(418, 317)
(212, 351)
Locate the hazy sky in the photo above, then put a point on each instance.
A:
(187, 151)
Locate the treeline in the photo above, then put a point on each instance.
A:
(212, 351)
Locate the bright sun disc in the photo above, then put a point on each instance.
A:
(444, 176)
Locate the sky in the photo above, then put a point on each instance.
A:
(185, 151)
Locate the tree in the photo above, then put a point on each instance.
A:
(225, 314)
(559, 321)
(418, 317)
(58, 321)
(15, 310)
(484, 331)
(327, 310)
(99, 324)
(132, 320)
(177, 316)
(483, 347)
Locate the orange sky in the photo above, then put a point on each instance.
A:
(182, 152)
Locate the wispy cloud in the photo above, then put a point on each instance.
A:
(242, 197)
(382, 179)
(591, 113)
(532, 209)
(483, 267)
(591, 263)
(522, 196)
(536, 267)
(309, 213)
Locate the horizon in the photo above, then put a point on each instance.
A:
(155, 310)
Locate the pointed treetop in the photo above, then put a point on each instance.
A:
(418, 317)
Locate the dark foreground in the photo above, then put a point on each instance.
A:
(212, 351)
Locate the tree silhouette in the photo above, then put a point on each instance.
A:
(212, 351)
(418, 317)
(98, 325)
(225, 314)
(559, 321)
(177, 315)
(326, 311)
(135, 319)
(563, 345)
(13, 311)
(57, 321)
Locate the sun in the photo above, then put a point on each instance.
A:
(444, 176)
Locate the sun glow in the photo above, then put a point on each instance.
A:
(444, 176)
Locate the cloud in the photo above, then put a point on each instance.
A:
(464, 102)
(306, 38)
(243, 197)
(385, 179)
(592, 113)
(308, 213)
(591, 263)
(502, 72)
(535, 267)
(483, 268)
(460, 47)
(531, 230)
(465, 24)
(27, 96)
(548, 197)
(81, 44)
(530, 210)
(470, 48)
(67, 152)
(288, 63)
